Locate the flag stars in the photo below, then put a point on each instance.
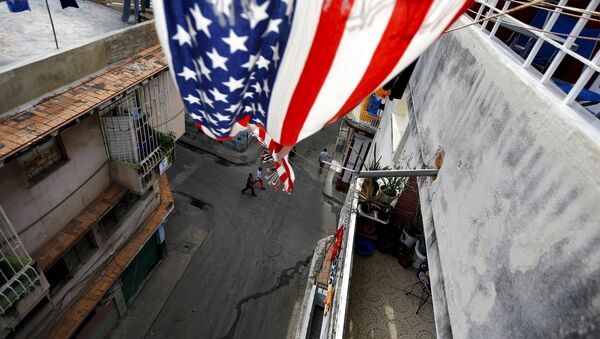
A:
(191, 30)
(187, 74)
(218, 95)
(217, 60)
(262, 63)
(248, 95)
(251, 61)
(257, 88)
(182, 36)
(236, 42)
(257, 13)
(276, 56)
(192, 99)
(273, 27)
(201, 21)
(266, 87)
(203, 69)
(234, 84)
(205, 99)
(233, 108)
(222, 117)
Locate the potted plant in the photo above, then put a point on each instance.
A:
(391, 189)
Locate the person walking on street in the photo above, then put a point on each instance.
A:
(259, 178)
(323, 156)
(250, 185)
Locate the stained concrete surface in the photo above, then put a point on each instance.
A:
(247, 278)
(28, 34)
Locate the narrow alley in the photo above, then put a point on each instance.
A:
(237, 264)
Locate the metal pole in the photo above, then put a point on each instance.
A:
(398, 173)
(52, 24)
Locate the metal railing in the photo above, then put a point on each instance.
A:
(528, 41)
(137, 126)
(17, 273)
(363, 118)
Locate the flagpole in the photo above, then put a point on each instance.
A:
(52, 23)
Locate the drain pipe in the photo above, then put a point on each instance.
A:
(425, 172)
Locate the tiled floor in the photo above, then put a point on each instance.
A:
(379, 306)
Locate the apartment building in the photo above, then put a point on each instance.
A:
(86, 134)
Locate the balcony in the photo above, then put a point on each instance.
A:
(554, 43)
(361, 118)
(138, 133)
(22, 285)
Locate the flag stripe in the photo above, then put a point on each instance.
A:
(304, 26)
(365, 27)
(332, 23)
(393, 44)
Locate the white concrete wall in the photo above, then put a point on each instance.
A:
(40, 210)
(515, 207)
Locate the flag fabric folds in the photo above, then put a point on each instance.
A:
(18, 5)
(284, 69)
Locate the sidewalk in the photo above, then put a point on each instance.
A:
(220, 150)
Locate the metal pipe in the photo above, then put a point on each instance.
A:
(427, 172)
(52, 24)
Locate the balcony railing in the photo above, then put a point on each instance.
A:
(363, 119)
(17, 273)
(554, 41)
(137, 128)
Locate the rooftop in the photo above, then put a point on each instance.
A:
(20, 130)
(21, 31)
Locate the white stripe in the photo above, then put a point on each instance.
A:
(438, 18)
(365, 27)
(304, 26)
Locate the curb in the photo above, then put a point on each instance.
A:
(231, 160)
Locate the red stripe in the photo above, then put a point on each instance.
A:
(332, 22)
(404, 23)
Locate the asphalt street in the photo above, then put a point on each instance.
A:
(246, 277)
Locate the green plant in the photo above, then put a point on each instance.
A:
(393, 185)
(167, 140)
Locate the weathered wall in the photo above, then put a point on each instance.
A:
(22, 84)
(39, 211)
(515, 207)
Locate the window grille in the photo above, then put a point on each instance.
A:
(17, 273)
(137, 126)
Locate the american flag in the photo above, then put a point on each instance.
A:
(284, 69)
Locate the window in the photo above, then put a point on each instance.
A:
(42, 160)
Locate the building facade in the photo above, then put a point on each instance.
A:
(85, 141)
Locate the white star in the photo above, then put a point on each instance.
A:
(248, 95)
(233, 108)
(191, 29)
(187, 74)
(257, 13)
(273, 26)
(263, 63)
(276, 53)
(182, 36)
(197, 117)
(222, 6)
(266, 87)
(202, 22)
(247, 109)
(257, 88)
(211, 120)
(251, 62)
(208, 101)
(222, 117)
(235, 42)
(203, 69)
(218, 95)
(222, 130)
(234, 84)
(260, 109)
(252, 76)
(218, 61)
(192, 99)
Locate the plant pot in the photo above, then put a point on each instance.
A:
(366, 226)
(385, 199)
(407, 239)
(419, 257)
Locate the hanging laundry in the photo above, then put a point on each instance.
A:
(18, 5)
(68, 3)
